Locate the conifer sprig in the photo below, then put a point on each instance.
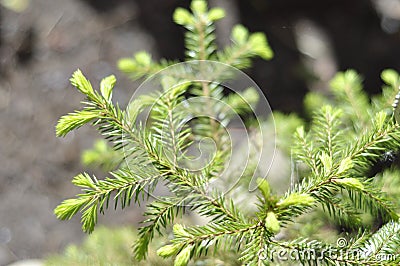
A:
(335, 150)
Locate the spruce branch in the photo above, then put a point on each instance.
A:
(338, 148)
(331, 174)
(160, 213)
(385, 241)
(254, 250)
(305, 251)
(344, 213)
(347, 88)
(98, 110)
(371, 199)
(327, 130)
(383, 137)
(97, 193)
(385, 100)
(379, 248)
(202, 238)
(218, 208)
(141, 65)
(200, 37)
(304, 150)
(245, 46)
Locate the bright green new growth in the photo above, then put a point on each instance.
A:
(347, 136)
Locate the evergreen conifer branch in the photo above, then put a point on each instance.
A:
(384, 100)
(253, 250)
(97, 194)
(142, 65)
(344, 213)
(160, 213)
(218, 208)
(379, 248)
(169, 121)
(102, 156)
(245, 46)
(347, 88)
(307, 252)
(143, 142)
(304, 150)
(200, 37)
(385, 241)
(384, 136)
(328, 131)
(367, 197)
(210, 237)
(338, 147)
(99, 110)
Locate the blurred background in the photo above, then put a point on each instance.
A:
(43, 41)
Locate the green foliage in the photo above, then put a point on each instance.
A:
(16, 5)
(105, 247)
(102, 156)
(346, 136)
(112, 246)
(141, 65)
